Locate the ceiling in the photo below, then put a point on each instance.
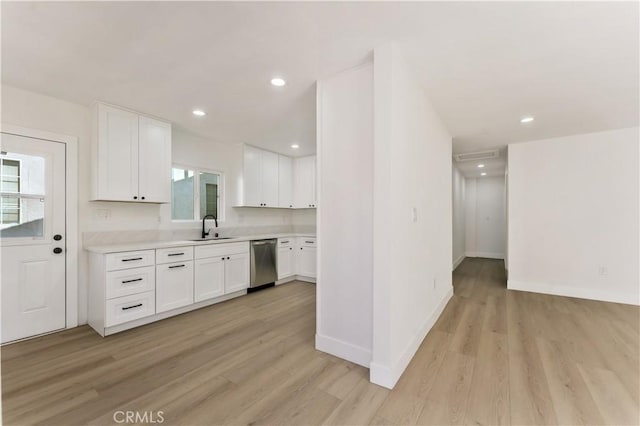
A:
(574, 66)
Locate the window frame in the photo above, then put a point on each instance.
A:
(17, 194)
(196, 192)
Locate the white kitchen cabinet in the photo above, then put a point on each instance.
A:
(285, 181)
(252, 176)
(154, 160)
(306, 257)
(131, 157)
(174, 285)
(304, 187)
(221, 269)
(209, 278)
(269, 179)
(236, 272)
(260, 178)
(286, 262)
(116, 155)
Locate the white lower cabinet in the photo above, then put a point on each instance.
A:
(306, 257)
(307, 261)
(174, 286)
(209, 278)
(129, 289)
(236, 272)
(286, 257)
(221, 269)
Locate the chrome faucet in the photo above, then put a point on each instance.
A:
(205, 233)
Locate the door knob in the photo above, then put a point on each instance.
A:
(57, 250)
(57, 237)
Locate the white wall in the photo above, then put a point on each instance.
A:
(458, 208)
(485, 217)
(32, 110)
(345, 215)
(412, 216)
(384, 216)
(574, 216)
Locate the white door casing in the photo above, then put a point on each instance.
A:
(33, 288)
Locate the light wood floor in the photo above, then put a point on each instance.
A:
(494, 357)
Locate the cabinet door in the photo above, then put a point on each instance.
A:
(269, 179)
(117, 155)
(174, 286)
(209, 278)
(236, 272)
(285, 262)
(285, 181)
(154, 161)
(304, 192)
(252, 174)
(307, 261)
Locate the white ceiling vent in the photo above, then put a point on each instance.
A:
(473, 156)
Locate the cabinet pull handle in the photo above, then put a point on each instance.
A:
(131, 307)
(309, 242)
(285, 242)
(133, 258)
(175, 254)
(131, 281)
(177, 266)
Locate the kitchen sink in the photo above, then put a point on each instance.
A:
(212, 239)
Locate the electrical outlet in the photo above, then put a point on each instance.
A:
(414, 214)
(102, 214)
(602, 271)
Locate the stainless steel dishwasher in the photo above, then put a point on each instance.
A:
(263, 262)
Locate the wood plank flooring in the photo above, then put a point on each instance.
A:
(494, 357)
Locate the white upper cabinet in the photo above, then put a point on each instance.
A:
(132, 157)
(285, 181)
(272, 180)
(269, 179)
(260, 178)
(304, 186)
(252, 177)
(154, 160)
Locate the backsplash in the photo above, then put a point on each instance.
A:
(117, 237)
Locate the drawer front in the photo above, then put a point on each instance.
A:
(285, 242)
(130, 281)
(130, 259)
(129, 308)
(221, 249)
(307, 241)
(174, 254)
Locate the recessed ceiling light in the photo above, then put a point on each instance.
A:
(526, 119)
(480, 166)
(483, 174)
(199, 112)
(277, 81)
(295, 146)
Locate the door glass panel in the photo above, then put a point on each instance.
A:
(22, 195)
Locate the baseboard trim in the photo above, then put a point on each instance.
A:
(485, 254)
(294, 278)
(388, 376)
(577, 292)
(457, 262)
(344, 350)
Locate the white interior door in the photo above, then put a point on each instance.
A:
(32, 236)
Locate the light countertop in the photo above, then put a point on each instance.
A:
(150, 245)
